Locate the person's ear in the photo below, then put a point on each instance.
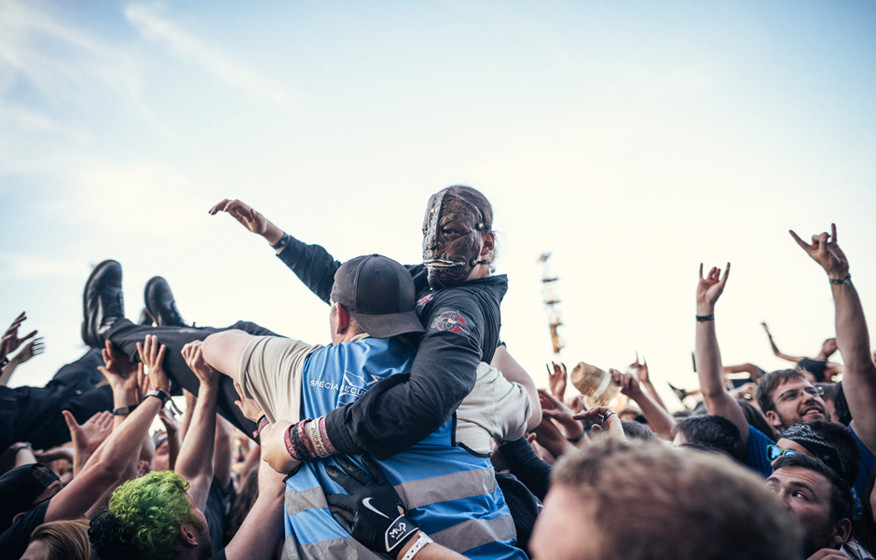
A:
(18, 516)
(842, 531)
(489, 243)
(343, 320)
(773, 419)
(188, 535)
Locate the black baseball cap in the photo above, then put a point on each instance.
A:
(380, 294)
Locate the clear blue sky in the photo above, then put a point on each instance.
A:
(632, 139)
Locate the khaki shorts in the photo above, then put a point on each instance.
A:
(270, 372)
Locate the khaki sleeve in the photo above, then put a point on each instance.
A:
(270, 372)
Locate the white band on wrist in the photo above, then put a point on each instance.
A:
(422, 540)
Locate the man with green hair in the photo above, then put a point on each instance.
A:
(160, 515)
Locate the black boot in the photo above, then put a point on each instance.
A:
(161, 305)
(102, 301)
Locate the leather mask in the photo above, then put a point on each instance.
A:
(451, 239)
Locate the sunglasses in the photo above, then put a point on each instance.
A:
(774, 452)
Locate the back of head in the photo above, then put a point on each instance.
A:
(64, 540)
(712, 431)
(770, 382)
(19, 487)
(651, 502)
(637, 430)
(379, 293)
(831, 442)
(143, 518)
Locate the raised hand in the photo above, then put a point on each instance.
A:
(557, 377)
(553, 408)
(194, 357)
(88, 436)
(243, 213)
(605, 421)
(629, 383)
(119, 371)
(31, 349)
(11, 341)
(825, 251)
(169, 419)
(640, 369)
(152, 356)
(249, 407)
(710, 288)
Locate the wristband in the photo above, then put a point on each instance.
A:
(422, 540)
(122, 410)
(159, 393)
(704, 318)
(847, 280)
(290, 447)
(330, 449)
(576, 439)
(23, 445)
(263, 421)
(305, 439)
(4, 361)
(284, 240)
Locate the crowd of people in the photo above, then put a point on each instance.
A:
(415, 433)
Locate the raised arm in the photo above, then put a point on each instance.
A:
(311, 263)
(852, 337)
(775, 348)
(708, 356)
(657, 416)
(195, 462)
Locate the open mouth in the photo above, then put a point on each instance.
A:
(813, 410)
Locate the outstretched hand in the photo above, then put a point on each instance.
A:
(249, 407)
(31, 349)
(710, 288)
(88, 436)
(825, 251)
(243, 213)
(11, 341)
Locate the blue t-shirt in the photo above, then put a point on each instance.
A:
(868, 462)
(758, 459)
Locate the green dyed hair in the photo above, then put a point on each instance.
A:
(152, 509)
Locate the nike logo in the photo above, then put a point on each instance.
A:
(367, 503)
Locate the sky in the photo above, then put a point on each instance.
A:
(632, 140)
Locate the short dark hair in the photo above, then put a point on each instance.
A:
(770, 382)
(712, 431)
(841, 499)
(637, 430)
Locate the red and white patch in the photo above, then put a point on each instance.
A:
(423, 302)
(450, 321)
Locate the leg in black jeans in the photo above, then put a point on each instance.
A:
(125, 335)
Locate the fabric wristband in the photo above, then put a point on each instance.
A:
(263, 421)
(122, 410)
(284, 240)
(160, 393)
(304, 438)
(422, 540)
(325, 439)
(704, 318)
(846, 280)
(290, 447)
